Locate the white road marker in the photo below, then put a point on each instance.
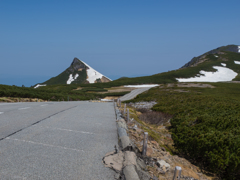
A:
(67, 130)
(49, 145)
(1, 112)
(23, 108)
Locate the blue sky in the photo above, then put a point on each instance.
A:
(39, 39)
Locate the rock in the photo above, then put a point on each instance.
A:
(141, 163)
(163, 165)
(138, 130)
(143, 175)
(129, 158)
(135, 127)
(130, 173)
(121, 123)
(121, 132)
(114, 161)
(161, 171)
(117, 176)
(163, 148)
(125, 142)
(155, 143)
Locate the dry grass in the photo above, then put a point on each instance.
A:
(11, 99)
(119, 89)
(152, 117)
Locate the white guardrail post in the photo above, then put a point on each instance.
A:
(177, 173)
(145, 140)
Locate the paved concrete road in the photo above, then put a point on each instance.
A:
(133, 93)
(62, 140)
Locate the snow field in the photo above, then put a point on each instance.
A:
(222, 74)
(39, 85)
(142, 86)
(237, 62)
(92, 74)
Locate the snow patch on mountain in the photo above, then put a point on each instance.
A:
(239, 49)
(76, 76)
(92, 74)
(237, 62)
(39, 85)
(223, 64)
(71, 78)
(222, 74)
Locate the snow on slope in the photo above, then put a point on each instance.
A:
(39, 85)
(71, 78)
(222, 74)
(237, 62)
(239, 49)
(223, 64)
(93, 75)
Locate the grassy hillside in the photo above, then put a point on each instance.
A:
(205, 124)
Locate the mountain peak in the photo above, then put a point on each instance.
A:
(75, 61)
(78, 73)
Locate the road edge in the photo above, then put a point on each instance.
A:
(130, 164)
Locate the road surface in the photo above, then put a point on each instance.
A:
(134, 93)
(56, 140)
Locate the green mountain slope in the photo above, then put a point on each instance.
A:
(74, 69)
(217, 51)
(223, 55)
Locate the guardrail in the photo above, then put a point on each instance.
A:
(178, 169)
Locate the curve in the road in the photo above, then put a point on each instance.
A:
(133, 93)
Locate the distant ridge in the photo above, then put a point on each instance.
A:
(196, 60)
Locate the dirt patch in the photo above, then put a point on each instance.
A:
(119, 89)
(79, 88)
(104, 79)
(181, 90)
(111, 97)
(11, 99)
(198, 85)
(233, 82)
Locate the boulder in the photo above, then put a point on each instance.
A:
(163, 165)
